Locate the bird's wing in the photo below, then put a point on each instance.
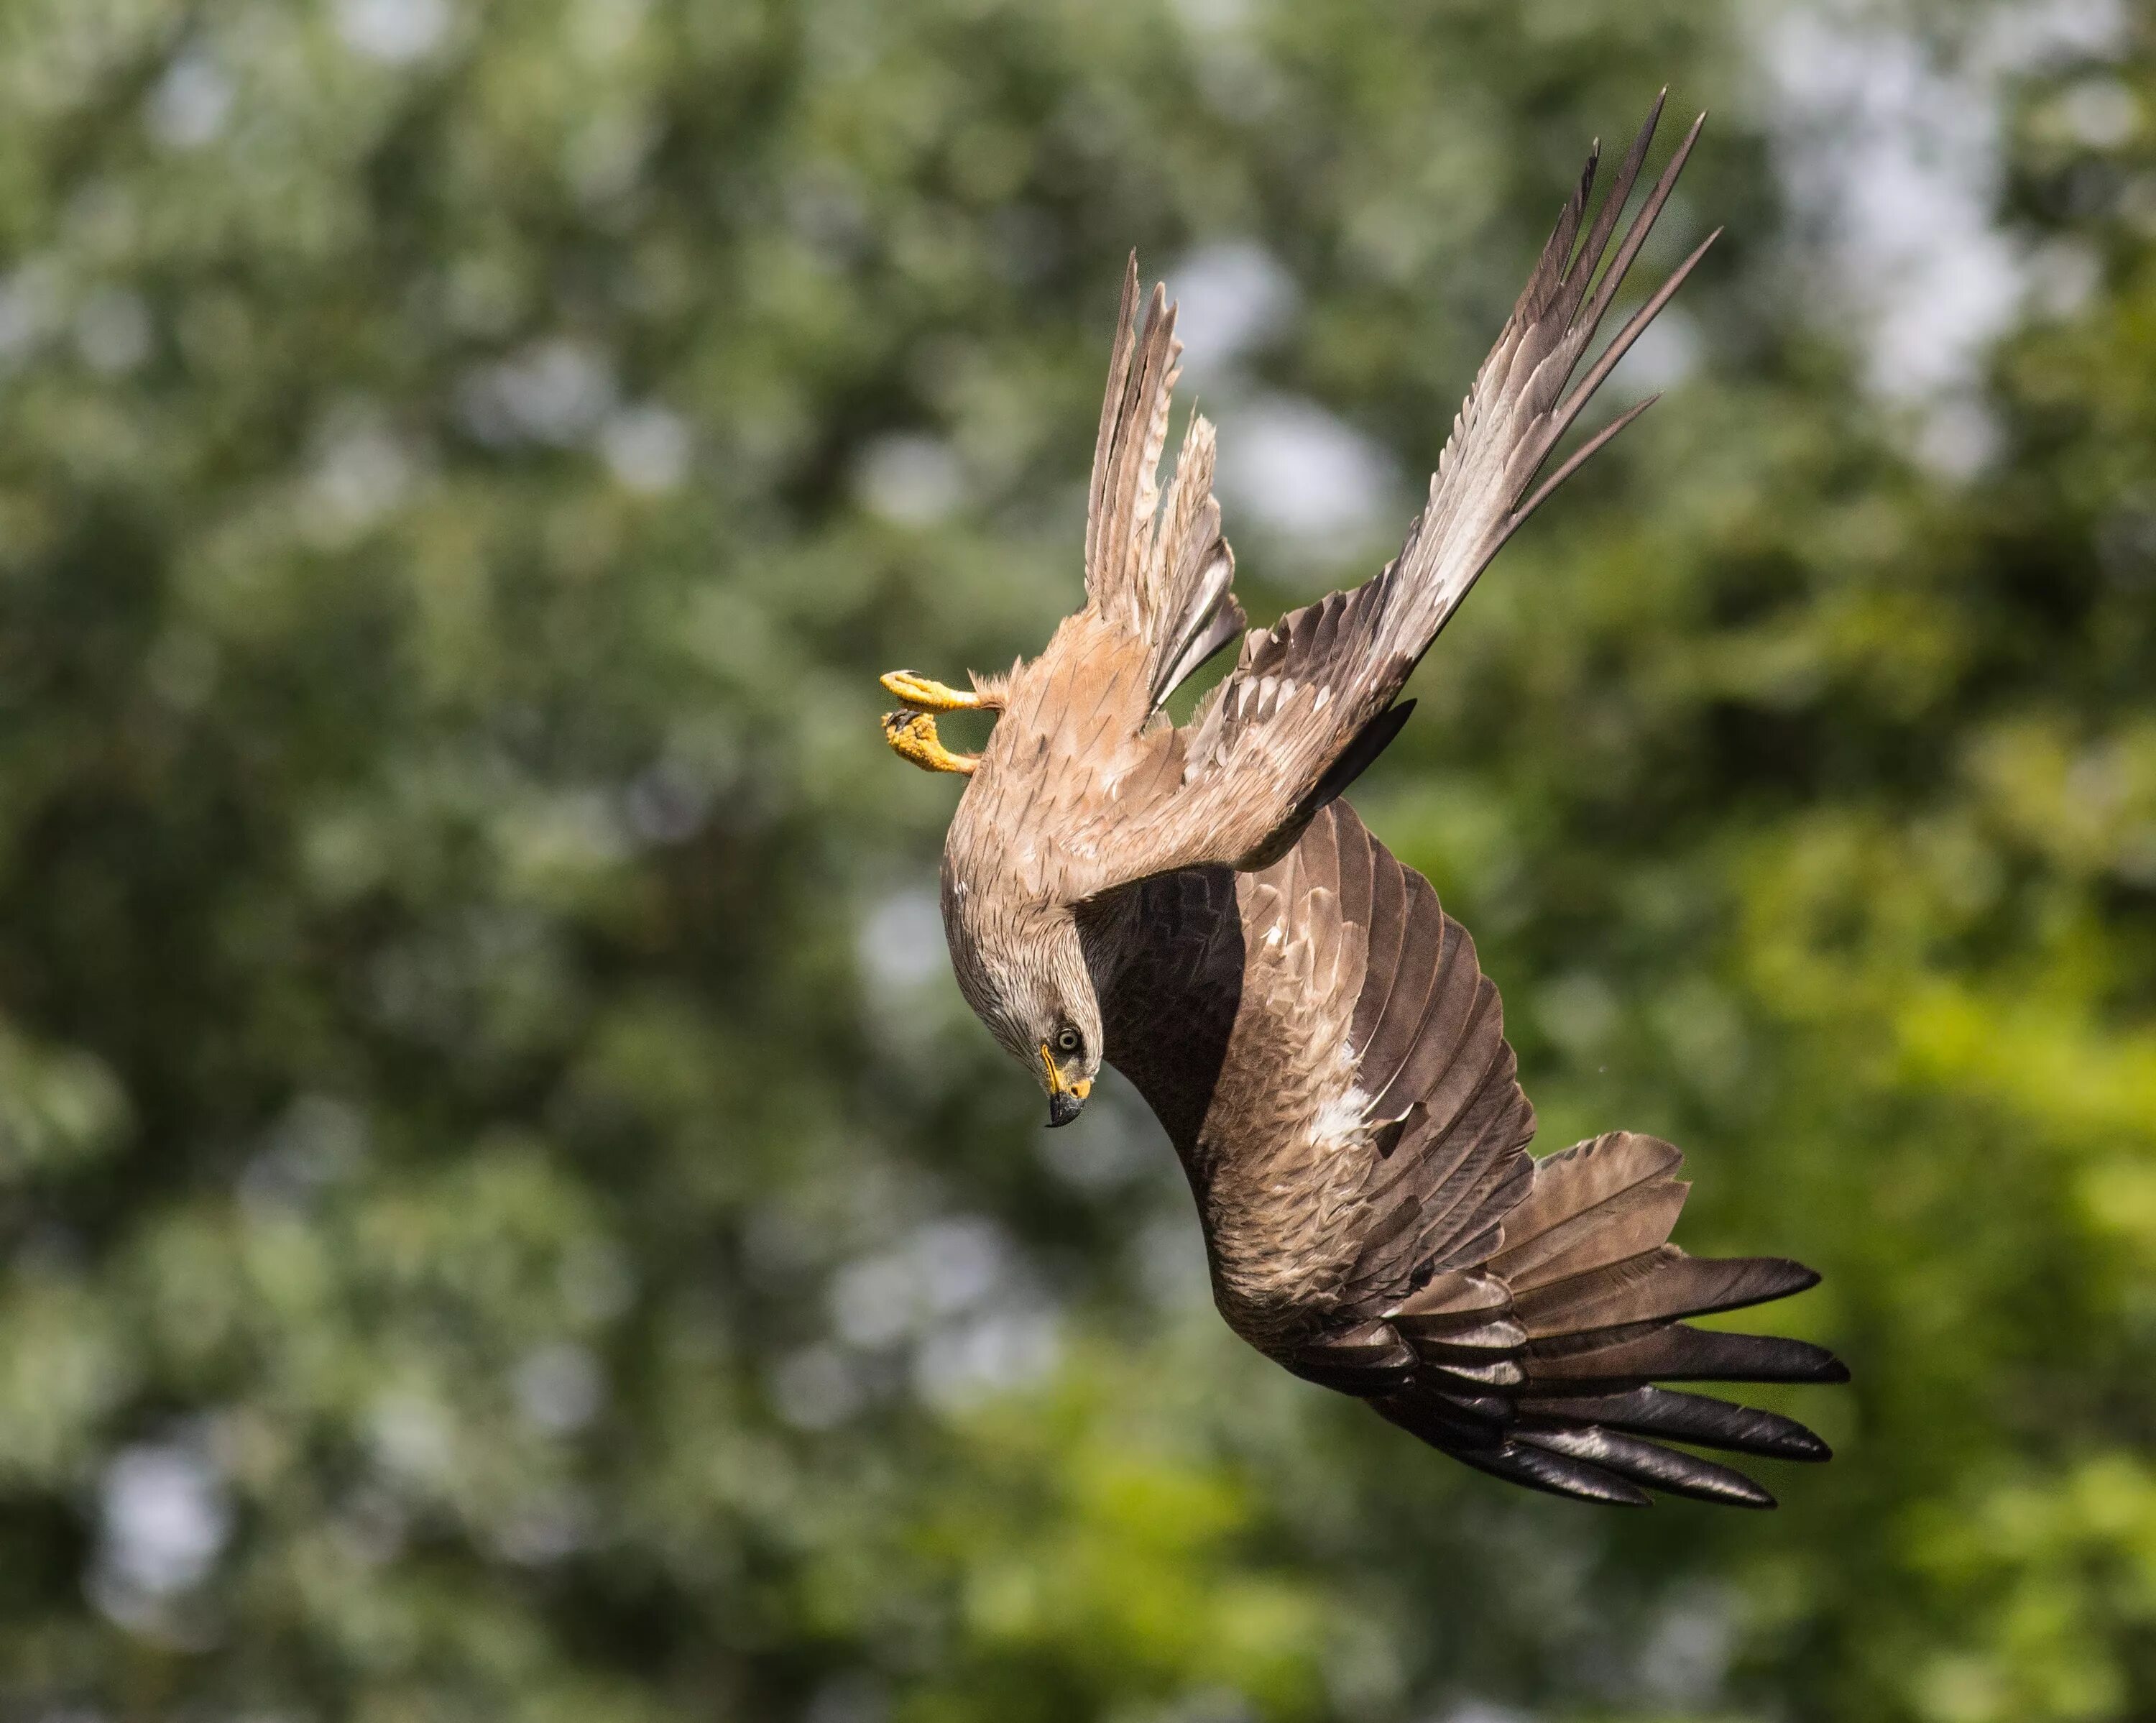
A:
(1156, 569)
(1311, 701)
(1330, 1061)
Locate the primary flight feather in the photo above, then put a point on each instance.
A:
(1195, 905)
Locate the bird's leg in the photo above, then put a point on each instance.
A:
(913, 737)
(923, 695)
(912, 733)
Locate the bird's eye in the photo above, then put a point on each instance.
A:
(1068, 1041)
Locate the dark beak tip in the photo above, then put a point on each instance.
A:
(1063, 1107)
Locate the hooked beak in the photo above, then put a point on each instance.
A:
(1065, 1100)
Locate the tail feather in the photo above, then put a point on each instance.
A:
(1581, 1211)
(1574, 1317)
(1693, 1418)
(1678, 1354)
(1574, 1181)
(1658, 1468)
(1664, 1282)
(1556, 1473)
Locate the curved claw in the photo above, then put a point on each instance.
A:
(928, 694)
(913, 737)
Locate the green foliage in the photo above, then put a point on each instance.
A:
(501, 1211)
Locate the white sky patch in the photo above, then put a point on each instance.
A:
(1292, 466)
(318, 1141)
(949, 1266)
(1685, 1660)
(817, 1388)
(646, 447)
(1666, 354)
(955, 1290)
(162, 1517)
(901, 944)
(411, 1435)
(189, 104)
(910, 479)
(545, 1527)
(559, 1388)
(29, 307)
(392, 31)
(2102, 112)
(1897, 162)
(363, 471)
(554, 392)
(1892, 156)
(986, 1354)
(1232, 297)
(112, 330)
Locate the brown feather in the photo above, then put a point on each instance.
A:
(1196, 906)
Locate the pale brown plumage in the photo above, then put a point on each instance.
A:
(1195, 905)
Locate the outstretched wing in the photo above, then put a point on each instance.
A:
(1330, 1062)
(1311, 702)
(1157, 571)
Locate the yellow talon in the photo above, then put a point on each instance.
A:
(913, 737)
(927, 696)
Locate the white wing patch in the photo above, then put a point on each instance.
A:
(1342, 1119)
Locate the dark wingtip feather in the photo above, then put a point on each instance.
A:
(1677, 1352)
(1656, 1466)
(1800, 1278)
(1654, 120)
(1699, 1420)
(1578, 459)
(1556, 1474)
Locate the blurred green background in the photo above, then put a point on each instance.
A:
(502, 1211)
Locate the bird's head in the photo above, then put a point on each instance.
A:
(1026, 977)
(1068, 1059)
(1057, 1027)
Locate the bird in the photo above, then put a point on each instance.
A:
(1196, 905)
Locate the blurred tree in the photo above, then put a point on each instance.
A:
(504, 1214)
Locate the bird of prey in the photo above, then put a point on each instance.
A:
(1195, 905)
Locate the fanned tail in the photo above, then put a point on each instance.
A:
(1560, 1396)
